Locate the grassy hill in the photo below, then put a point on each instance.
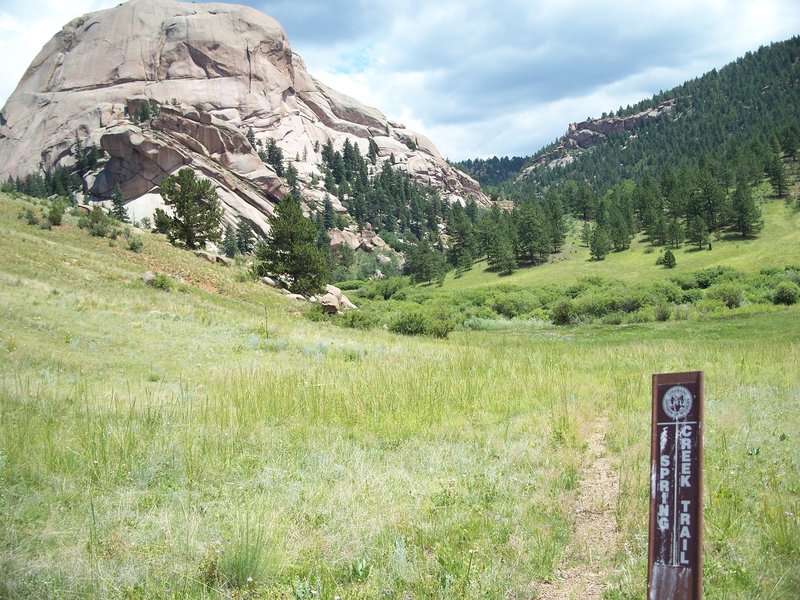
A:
(209, 441)
(778, 245)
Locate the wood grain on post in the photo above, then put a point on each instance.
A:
(675, 560)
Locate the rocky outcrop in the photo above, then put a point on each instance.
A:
(592, 131)
(586, 134)
(209, 73)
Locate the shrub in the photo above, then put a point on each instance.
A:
(597, 304)
(563, 312)
(711, 275)
(685, 281)
(669, 261)
(786, 292)
(56, 213)
(31, 217)
(359, 319)
(98, 223)
(662, 311)
(162, 282)
(730, 294)
(514, 304)
(420, 322)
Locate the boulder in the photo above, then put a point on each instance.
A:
(148, 278)
(333, 290)
(206, 256)
(329, 303)
(269, 281)
(345, 304)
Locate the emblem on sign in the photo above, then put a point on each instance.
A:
(677, 402)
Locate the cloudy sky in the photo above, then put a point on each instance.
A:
(479, 77)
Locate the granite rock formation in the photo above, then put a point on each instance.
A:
(209, 73)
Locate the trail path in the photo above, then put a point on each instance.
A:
(596, 535)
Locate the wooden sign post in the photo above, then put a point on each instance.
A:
(675, 561)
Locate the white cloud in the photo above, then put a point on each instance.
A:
(481, 77)
(26, 26)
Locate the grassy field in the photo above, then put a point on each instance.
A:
(210, 442)
(777, 246)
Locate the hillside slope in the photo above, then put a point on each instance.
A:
(208, 441)
(717, 115)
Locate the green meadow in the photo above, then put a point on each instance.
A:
(778, 245)
(208, 440)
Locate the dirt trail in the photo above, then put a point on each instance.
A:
(596, 535)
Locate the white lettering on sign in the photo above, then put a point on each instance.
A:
(684, 456)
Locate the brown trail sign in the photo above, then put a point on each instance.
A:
(675, 561)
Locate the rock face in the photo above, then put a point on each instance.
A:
(584, 135)
(210, 72)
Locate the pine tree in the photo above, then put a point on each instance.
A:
(502, 255)
(229, 246)
(697, 232)
(669, 259)
(675, 234)
(745, 212)
(586, 234)
(245, 238)
(328, 214)
(118, 210)
(196, 211)
(600, 244)
(462, 240)
(291, 250)
(776, 171)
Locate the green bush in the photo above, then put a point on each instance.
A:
(662, 311)
(711, 275)
(685, 281)
(786, 292)
(514, 304)
(730, 294)
(359, 319)
(563, 312)
(98, 223)
(162, 282)
(597, 304)
(420, 322)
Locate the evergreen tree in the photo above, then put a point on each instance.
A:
(291, 250)
(195, 208)
(776, 172)
(424, 263)
(586, 234)
(697, 232)
(118, 205)
(291, 178)
(669, 259)
(675, 233)
(245, 238)
(502, 254)
(328, 215)
(372, 153)
(229, 246)
(274, 156)
(462, 240)
(600, 244)
(746, 215)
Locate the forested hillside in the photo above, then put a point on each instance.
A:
(737, 116)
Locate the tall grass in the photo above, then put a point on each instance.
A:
(157, 445)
